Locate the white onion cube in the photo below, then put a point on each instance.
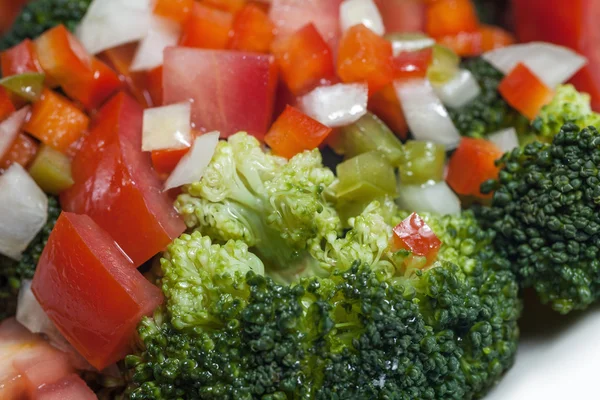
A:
(459, 90)
(505, 139)
(435, 198)
(163, 33)
(336, 105)
(355, 12)
(167, 127)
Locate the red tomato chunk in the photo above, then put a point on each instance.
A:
(71, 387)
(116, 185)
(414, 235)
(91, 290)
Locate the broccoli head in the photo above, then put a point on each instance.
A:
(359, 331)
(13, 272)
(40, 15)
(545, 214)
(488, 112)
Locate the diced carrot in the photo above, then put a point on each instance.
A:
(304, 59)
(231, 6)
(6, 105)
(20, 59)
(450, 17)
(387, 107)
(207, 28)
(177, 10)
(293, 132)
(56, 121)
(22, 151)
(252, 30)
(524, 91)
(364, 56)
(154, 79)
(412, 64)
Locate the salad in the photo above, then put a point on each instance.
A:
(289, 199)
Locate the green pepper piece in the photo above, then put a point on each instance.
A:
(28, 86)
(422, 162)
(365, 177)
(51, 170)
(444, 65)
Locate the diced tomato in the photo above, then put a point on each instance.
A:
(385, 105)
(71, 387)
(470, 44)
(291, 15)
(116, 185)
(154, 86)
(293, 132)
(365, 57)
(472, 163)
(207, 28)
(412, 64)
(231, 91)
(252, 30)
(177, 10)
(6, 105)
(81, 265)
(43, 367)
(20, 59)
(231, 6)
(524, 91)
(414, 235)
(571, 23)
(82, 77)
(402, 15)
(450, 17)
(304, 59)
(22, 151)
(56, 121)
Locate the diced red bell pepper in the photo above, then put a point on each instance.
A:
(291, 15)
(154, 86)
(56, 121)
(385, 105)
(472, 163)
(91, 291)
(414, 235)
(71, 387)
(304, 59)
(293, 132)
(230, 91)
(450, 17)
(20, 59)
(177, 10)
(232, 6)
(402, 15)
(412, 64)
(470, 44)
(364, 56)
(82, 77)
(165, 161)
(252, 30)
(22, 151)
(6, 105)
(524, 91)
(207, 28)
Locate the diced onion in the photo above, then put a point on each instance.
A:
(10, 127)
(432, 197)
(403, 42)
(551, 63)
(505, 139)
(162, 34)
(110, 23)
(167, 127)
(425, 114)
(193, 164)
(23, 211)
(336, 105)
(355, 12)
(459, 90)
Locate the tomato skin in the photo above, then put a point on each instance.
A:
(22, 152)
(207, 28)
(524, 91)
(304, 59)
(253, 31)
(177, 10)
(364, 56)
(116, 185)
(231, 91)
(450, 17)
(6, 105)
(293, 132)
(472, 163)
(153, 83)
(20, 59)
(91, 291)
(414, 235)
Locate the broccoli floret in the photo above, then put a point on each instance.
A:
(361, 332)
(567, 106)
(488, 112)
(275, 206)
(40, 15)
(13, 272)
(545, 214)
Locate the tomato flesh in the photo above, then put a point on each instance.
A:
(230, 91)
(402, 15)
(71, 387)
(20, 59)
(22, 151)
(116, 185)
(414, 235)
